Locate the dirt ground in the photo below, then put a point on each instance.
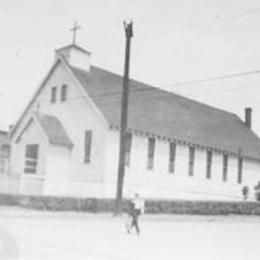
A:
(28, 234)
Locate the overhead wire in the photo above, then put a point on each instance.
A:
(228, 76)
(116, 95)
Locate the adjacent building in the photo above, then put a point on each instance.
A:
(4, 152)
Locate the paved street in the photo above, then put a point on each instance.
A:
(27, 234)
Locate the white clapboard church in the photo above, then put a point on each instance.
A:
(66, 142)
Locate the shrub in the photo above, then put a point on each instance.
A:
(95, 205)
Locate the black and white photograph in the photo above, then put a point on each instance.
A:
(129, 129)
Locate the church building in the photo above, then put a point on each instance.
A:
(66, 142)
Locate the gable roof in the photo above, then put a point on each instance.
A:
(54, 130)
(59, 60)
(164, 113)
(33, 98)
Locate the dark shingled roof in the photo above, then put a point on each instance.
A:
(164, 113)
(54, 130)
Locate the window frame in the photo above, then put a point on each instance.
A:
(172, 157)
(5, 150)
(191, 161)
(31, 159)
(209, 164)
(128, 148)
(240, 170)
(63, 93)
(225, 168)
(88, 136)
(151, 152)
(53, 94)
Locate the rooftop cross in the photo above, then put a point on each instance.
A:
(74, 29)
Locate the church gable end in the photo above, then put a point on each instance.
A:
(59, 93)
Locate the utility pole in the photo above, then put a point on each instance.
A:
(123, 124)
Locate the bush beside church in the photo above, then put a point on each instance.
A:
(94, 205)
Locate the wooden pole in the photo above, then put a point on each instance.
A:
(123, 123)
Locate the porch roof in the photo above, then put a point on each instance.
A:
(54, 130)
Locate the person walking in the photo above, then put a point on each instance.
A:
(136, 209)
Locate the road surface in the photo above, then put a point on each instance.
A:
(33, 235)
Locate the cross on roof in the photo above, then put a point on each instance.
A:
(74, 29)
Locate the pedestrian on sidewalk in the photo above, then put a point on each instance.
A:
(136, 209)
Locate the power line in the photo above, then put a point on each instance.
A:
(160, 88)
(116, 95)
(228, 76)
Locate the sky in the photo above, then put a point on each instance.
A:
(174, 41)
